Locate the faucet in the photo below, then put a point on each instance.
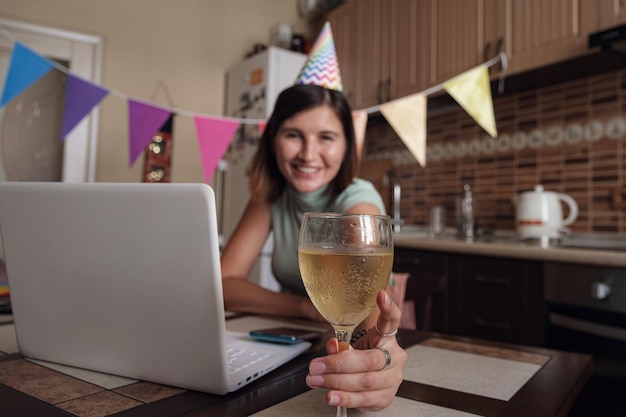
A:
(396, 220)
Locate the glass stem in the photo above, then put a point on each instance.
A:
(343, 337)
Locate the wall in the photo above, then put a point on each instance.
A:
(570, 137)
(186, 44)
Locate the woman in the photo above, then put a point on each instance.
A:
(306, 161)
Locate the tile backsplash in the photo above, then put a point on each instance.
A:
(569, 137)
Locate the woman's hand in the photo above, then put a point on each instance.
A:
(368, 377)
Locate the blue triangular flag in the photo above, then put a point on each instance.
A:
(25, 69)
(80, 97)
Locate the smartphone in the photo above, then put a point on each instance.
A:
(286, 335)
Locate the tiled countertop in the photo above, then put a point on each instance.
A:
(511, 248)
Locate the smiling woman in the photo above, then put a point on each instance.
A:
(307, 161)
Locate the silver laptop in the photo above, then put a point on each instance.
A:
(125, 279)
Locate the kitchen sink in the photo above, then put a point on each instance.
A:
(450, 233)
(601, 241)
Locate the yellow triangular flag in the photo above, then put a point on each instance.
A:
(473, 92)
(407, 117)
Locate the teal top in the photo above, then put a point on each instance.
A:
(287, 214)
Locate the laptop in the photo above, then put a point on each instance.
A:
(124, 278)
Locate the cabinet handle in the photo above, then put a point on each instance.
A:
(379, 92)
(388, 90)
(495, 325)
(505, 282)
(487, 51)
(498, 50)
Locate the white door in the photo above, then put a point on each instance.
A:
(74, 159)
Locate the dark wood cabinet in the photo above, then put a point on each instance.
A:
(427, 286)
(497, 299)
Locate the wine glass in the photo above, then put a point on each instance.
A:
(345, 261)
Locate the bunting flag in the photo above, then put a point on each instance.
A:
(80, 97)
(359, 120)
(144, 120)
(25, 69)
(472, 91)
(214, 135)
(261, 126)
(407, 117)
(322, 68)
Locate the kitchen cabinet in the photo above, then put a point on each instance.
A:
(542, 33)
(410, 47)
(427, 286)
(393, 48)
(497, 299)
(345, 28)
(533, 33)
(456, 36)
(609, 13)
(380, 48)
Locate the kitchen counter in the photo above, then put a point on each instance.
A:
(509, 247)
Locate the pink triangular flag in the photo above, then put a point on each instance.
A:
(262, 126)
(80, 97)
(214, 135)
(144, 120)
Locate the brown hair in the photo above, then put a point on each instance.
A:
(266, 181)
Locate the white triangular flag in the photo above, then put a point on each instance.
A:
(407, 117)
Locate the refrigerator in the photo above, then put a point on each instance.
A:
(252, 87)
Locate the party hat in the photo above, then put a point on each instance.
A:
(321, 68)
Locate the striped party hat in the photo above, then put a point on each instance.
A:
(321, 68)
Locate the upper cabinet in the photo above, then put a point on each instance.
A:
(391, 48)
(381, 47)
(457, 38)
(344, 25)
(542, 32)
(608, 13)
(533, 33)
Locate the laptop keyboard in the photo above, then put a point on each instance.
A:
(239, 359)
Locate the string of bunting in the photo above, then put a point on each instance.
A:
(406, 115)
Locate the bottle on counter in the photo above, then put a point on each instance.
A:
(465, 213)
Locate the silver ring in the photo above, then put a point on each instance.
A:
(387, 357)
(385, 334)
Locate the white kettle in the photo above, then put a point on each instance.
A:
(539, 214)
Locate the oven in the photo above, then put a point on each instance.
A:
(587, 313)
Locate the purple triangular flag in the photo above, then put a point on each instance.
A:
(25, 69)
(144, 120)
(80, 97)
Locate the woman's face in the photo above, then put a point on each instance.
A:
(310, 147)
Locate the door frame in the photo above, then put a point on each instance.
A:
(84, 53)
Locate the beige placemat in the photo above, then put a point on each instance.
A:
(8, 340)
(312, 403)
(473, 373)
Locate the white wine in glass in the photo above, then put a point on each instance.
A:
(345, 261)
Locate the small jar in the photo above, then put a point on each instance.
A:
(465, 213)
